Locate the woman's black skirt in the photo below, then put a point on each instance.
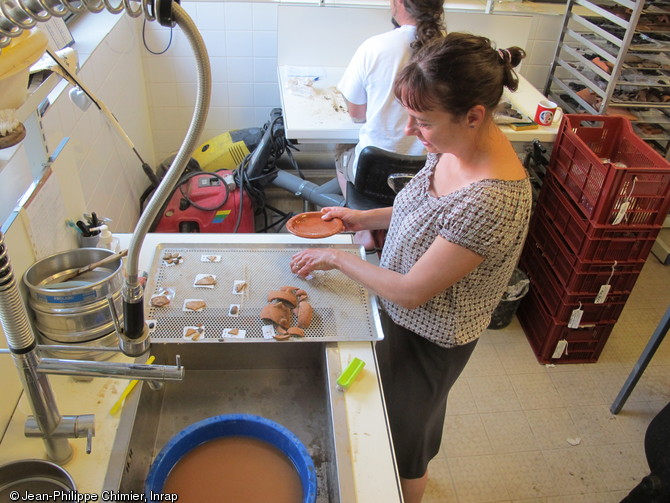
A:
(417, 376)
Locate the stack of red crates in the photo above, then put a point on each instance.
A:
(603, 201)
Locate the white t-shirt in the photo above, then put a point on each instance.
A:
(369, 80)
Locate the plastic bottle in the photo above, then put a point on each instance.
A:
(107, 240)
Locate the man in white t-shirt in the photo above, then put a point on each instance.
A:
(367, 86)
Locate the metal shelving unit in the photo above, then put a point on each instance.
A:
(616, 54)
(613, 57)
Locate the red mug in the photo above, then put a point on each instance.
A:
(546, 111)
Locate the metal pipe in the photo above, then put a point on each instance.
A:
(85, 368)
(21, 342)
(43, 405)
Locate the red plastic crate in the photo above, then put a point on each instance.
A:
(607, 169)
(561, 304)
(543, 333)
(559, 255)
(581, 277)
(593, 241)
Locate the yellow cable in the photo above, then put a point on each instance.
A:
(117, 406)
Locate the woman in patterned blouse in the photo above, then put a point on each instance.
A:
(455, 233)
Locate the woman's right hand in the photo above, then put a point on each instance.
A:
(353, 220)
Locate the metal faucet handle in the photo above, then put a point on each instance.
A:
(68, 427)
(115, 314)
(89, 441)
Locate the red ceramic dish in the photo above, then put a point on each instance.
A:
(310, 225)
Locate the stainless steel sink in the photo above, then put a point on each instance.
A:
(292, 383)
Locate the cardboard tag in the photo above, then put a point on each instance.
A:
(622, 213)
(561, 347)
(575, 318)
(602, 294)
(268, 331)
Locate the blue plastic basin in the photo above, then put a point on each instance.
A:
(232, 425)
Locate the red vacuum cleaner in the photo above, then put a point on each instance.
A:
(207, 202)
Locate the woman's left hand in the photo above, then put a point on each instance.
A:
(313, 259)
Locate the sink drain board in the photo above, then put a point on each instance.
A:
(343, 310)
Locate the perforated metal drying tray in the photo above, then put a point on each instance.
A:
(343, 310)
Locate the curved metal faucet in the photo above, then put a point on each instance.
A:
(135, 337)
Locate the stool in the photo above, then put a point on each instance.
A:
(380, 175)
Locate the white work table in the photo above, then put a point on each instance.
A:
(321, 118)
(370, 448)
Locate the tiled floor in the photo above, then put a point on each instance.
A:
(517, 431)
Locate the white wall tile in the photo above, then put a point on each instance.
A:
(239, 44)
(264, 16)
(241, 95)
(215, 41)
(265, 70)
(240, 70)
(217, 122)
(238, 16)
(186, 93)
(164, 117)
(537, 75)
(549, 27)
(262, 115)
(94, 72)
(542, 53)
(162, 93)
(533, 27)
(185, 69)
(219, 95)
(219, 69)
(167, 142)
(159, 69)
(242, 117)
(265, 44)
(267, 95)
(210, 15)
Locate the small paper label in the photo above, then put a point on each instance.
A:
(234, 333)
(575, 318)
(622, 213)
(561, 347)
(204, 281)
(268, 332)
(602, 294)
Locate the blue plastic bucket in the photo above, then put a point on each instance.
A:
(233, 425)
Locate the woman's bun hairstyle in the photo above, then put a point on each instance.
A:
(456, 72)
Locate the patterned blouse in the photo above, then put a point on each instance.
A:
(489, 217)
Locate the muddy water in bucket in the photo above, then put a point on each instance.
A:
(75, 312)
(234, 458)
(235, 469)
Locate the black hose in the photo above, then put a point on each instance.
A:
(188, 176)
